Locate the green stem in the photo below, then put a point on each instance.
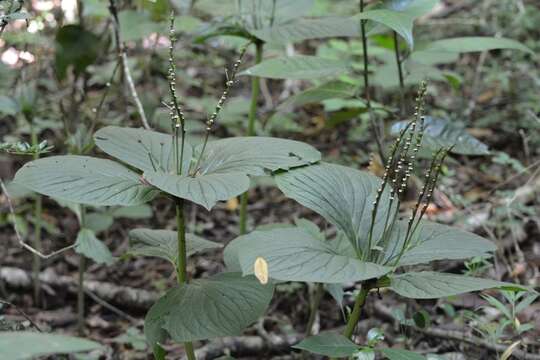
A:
(80, 288)
(182, 261)
(357, 310)
(36, 260)
(80, 296)
(367, 95)
(400, 73)
(314, 307)
(255, 90)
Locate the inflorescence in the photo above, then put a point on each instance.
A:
(398, 170)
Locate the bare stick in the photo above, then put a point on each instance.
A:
(123, 58)
(18, 234)
(23, 314)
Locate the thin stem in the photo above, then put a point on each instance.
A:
(376, 134)
(357, 310)
(80, 288)
(36, 260)
(314, 307)
(400, 73)
(212, 119)
(123, 59)
(80, 296)
(255, 90)
(181, 238)
(182, 261)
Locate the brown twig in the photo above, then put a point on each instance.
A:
(18, 234)
(123, 59)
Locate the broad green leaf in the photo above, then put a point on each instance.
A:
(416, 8)
(222, 305)
(164, 244)
(444, 133)
(8, 105)
(400, 354)
(253, 155)
(330, 90)
(135, 25)
(433, 285)
(20, 345)
(304, 29)
(400, 22)
(89, 245)
(205, 190)
(75, 47)
(257, 13)
(144, 149)
(223, 170)
(298, 67)
(133, 212)
(85, 180)
(98, 222)
(432, 241)
(293, 254)
(342, 195)
(328, 344)
(474, 44)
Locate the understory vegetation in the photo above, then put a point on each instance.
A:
(269, 179)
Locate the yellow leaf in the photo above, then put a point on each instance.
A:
(232, 204)
(260, 268)
(508, 352)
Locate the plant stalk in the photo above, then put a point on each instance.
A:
(38, 207)
(182, 261)
(400, 74)
(80, 286)
(255, 90)
(357, 310)
(314, 307)
(367, 95)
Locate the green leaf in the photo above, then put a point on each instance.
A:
(422, 319)
(433, 241)
(75, 47)
(328, 344)
(222, 173)
(298, 67)
(98, 222)
(293, 254)
(304, 29)
(222, 305)
(342, 195)
(474, 44)
(416, 8)
(433, 285)
(85, 180)
(164, 244)
(133, 212)
(144, 149)
(19, 345)
(400, 22)
(444, 133)
(8, 105)
(254, 155)
(135, 25)
(90, 246)
(400, 354)
(256, 13)
(334, 89)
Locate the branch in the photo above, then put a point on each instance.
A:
(123, 59)
(18, 234)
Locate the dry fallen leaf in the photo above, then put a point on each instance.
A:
(232, 204)
(260, 268)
